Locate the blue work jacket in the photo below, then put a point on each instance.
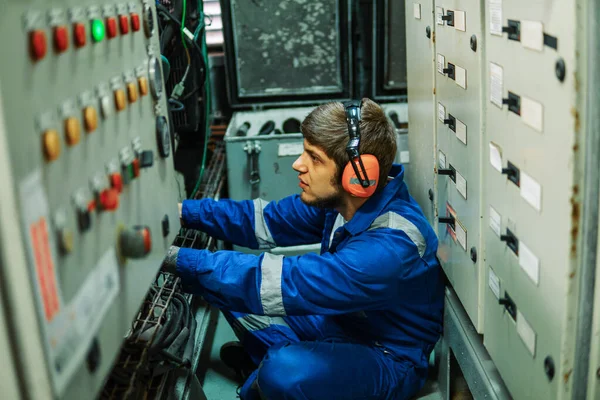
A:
(377, 276)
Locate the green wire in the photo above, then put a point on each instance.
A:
(183, 25)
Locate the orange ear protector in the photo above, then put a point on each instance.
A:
(361, 174)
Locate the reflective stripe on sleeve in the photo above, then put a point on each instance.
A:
(271, 296)
(261, 230)
(393, 220)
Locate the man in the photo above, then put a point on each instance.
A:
(357, 321)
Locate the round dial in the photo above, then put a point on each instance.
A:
(156, 78)
(148, 21)
(163, 136)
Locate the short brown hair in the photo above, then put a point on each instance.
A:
(326, 128)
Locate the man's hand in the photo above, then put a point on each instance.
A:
(180, 208)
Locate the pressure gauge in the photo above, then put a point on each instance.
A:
(155, 76)
(163, 136)
(148, 20)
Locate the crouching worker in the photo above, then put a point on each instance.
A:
(357, 321)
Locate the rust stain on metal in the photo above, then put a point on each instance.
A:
(575, 115)
(572, 275)
(568, 375)
(433, 37)
(575, 217)
(433, 90)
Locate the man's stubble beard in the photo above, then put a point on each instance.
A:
(332, 201)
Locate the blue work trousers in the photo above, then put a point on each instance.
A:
(309, 357)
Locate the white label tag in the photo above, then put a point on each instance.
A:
(460, 76)
(461, 185)
(531, 191)
(496, 84)
(290, 149)
(495, 7)
(404, 157)
(460, 21)
(441, 160)
(441, 112)
(494, 283)
(495, 221)
(441, 63)
(439, 13)
(461, 234)
(417, 10)
(529, 262)
(526, 333)
(461, 131)
(496, 156)
(532, 35)
(532, 113)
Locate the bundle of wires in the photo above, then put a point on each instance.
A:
(202, 50)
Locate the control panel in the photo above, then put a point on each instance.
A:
(92, 187)
(533, 210)
(459, 133)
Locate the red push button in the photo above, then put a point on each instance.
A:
(147, 240)
(116, 181)
(79, 34)
(111, 27)
(109, 199)
(124, 24)
(61, 39)
(136, 167)
(37, 44)
(135, 22)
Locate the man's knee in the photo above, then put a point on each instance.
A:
(285, 372)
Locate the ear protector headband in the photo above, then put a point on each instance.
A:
(361, 174)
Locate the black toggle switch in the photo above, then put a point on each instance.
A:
(449, 18)
(514, 103)
(449, 71)
(146, 158)
(451, 122)
(513, 29)
(511, 241)
(513, 173)
(448, 220)
(509, 305)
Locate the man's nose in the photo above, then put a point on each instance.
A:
(299, 165)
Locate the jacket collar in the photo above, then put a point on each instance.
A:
(372, 208)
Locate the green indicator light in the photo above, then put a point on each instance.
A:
(130, 171)
(98, 30)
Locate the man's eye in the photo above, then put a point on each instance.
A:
(315, 158)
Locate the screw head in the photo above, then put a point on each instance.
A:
(474, 43)
(428, 32)
(560, 69)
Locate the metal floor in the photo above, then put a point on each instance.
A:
(220, 383)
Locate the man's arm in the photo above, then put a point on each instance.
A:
(256, 224)
(365, 274)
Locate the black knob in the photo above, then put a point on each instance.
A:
(549, 368)
(165, 226)
(474, 43)
(430, 194)
(93, 356)
(473, 254)
(560, 69)
(428, 32)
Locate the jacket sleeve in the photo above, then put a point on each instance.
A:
(255, 223)
(365, 274)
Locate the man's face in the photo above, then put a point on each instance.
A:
(317, 174)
